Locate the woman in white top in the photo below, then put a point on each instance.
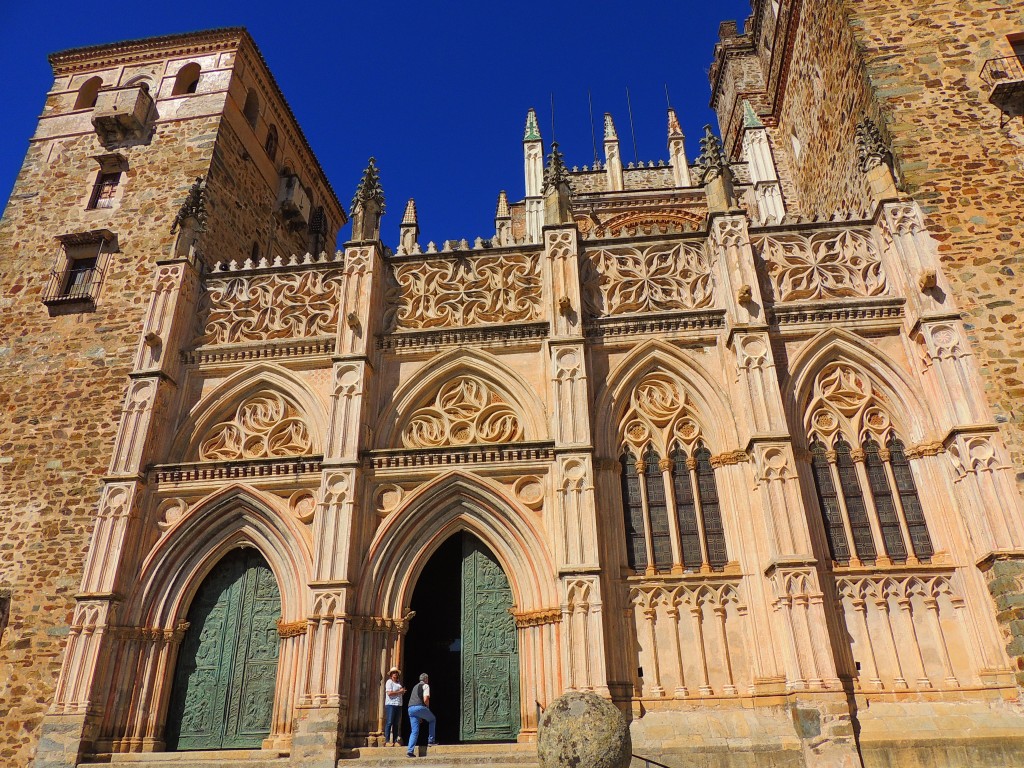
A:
(393, 692)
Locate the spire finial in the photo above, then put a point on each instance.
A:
(711, 162)
(502, 211)
(369, 187)
(368, 205)
(609, 128)
(532, 129)
(674, 129)
(556, 172)
(750, 118)
(409, 217)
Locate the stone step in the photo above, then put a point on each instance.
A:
(445, 756)
(222, 758)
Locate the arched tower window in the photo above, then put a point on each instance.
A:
(187, 80)
(866, 494)
(251, 110)
(670, 501)
(88, 93)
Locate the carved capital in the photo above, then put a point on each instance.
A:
(291, 629)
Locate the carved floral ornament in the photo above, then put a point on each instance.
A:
(659, 415)
(658, 278)
(267, 307)
(264, 426)
(844, 401)
(466, 411)
(449, 292)
(822, 265)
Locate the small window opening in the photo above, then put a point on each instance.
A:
(187, 80)
(255, 252)
(5, 610)
(271, 143)
(251, 110)
(78, 270)
(88, 93)
(105, 190)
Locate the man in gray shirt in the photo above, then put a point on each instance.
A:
(419, 710)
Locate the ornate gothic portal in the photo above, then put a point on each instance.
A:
(223, 694)
(464, 637)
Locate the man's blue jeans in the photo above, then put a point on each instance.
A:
(416, 714)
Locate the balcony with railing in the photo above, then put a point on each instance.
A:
(1005, 80)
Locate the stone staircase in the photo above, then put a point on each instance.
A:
(444, 756)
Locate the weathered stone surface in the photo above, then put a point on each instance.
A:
(582, 730)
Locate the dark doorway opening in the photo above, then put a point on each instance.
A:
(434, 641)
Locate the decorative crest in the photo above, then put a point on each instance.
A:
(750, 118)
(502, 211)
(194, 207)
(532, 129)
(609, 128)
(555, 173)
(369, 187)
(871, 148)
(409, 217)
(674, 128)
(711, 162)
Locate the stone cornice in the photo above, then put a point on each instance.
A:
(131, 51)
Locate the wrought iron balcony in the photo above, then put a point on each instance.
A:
(1005, 79)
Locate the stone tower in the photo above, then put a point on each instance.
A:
(148, 155)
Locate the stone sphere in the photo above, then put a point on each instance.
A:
(582, 730)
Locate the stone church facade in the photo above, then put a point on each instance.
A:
(670, 435)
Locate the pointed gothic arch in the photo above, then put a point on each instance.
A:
(449, 504)
(422, 388)
(222, 403)
(912, 419)
(232, 517)
(709, 401)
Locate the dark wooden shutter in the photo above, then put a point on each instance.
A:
(920, 540)
(711, 512)
(850, 485)
(633, 512)
(895, 547)
(829, 503)
(686, 512)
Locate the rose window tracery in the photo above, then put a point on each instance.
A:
(264, 426)
(466, 411)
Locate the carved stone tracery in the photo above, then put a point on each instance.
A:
(443, 293)
(659, 415)
(264, 426)
(844, 401)
(466, 411)
(267, 307)
(822, 265)
(658, 278)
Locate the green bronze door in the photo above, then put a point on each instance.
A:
(490, 655)
(223, 694)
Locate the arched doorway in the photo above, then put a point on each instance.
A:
(464, 637)
(223, 692)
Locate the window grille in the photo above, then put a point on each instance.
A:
(838, 546)
(892, 537)
(633, 509)
(686, 512)
(105, 190)
(657, 506)
(912, 510)
(714, 533)
(849, 483)
(78, 269)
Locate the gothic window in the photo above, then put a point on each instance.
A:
(187, 80)
(670, 498)
(88, 93)
(866, 494)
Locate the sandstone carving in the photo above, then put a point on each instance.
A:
(466, 410)
(265, 426)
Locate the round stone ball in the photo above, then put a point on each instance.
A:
(582, 730)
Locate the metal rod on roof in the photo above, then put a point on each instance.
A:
(593, 135)
(552, 115)
(629, 106)
(668, 101)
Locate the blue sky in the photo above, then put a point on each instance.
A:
(437, 92)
